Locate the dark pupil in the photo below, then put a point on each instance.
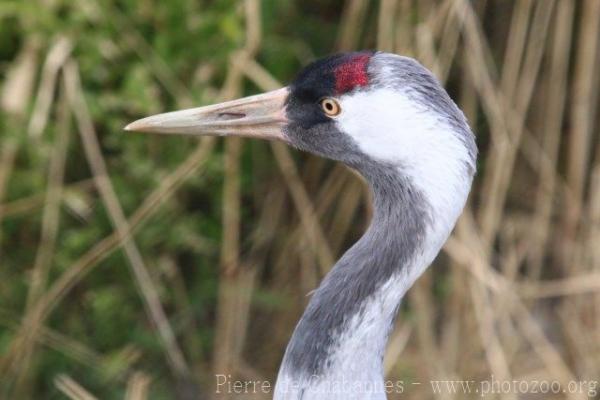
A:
(328, 106)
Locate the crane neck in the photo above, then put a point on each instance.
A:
(337, 348)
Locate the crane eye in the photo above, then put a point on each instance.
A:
(331, 107)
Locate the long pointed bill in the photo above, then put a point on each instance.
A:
(261, 116)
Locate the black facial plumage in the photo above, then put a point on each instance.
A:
(309, 128)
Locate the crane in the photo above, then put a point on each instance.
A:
(387, 117)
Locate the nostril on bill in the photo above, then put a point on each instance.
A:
(226, 116)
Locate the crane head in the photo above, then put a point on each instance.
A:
(361, 108)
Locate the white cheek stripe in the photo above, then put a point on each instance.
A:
(389, 126)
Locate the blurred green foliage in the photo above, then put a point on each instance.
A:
(136, 58)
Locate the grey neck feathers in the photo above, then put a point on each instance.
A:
(387, 250)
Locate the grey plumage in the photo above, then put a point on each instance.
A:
(408, 75)
(401, 215)
(380, 253)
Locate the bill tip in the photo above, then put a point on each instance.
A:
(134, 126)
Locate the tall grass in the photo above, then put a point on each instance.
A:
(137, 267)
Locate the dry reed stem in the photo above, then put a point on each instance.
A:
(573, 285)
(51, 212)
(530, 329)
(78, 351)
(335, 186)
(517, 39)
(59, 342)
(138, 386)
(451, 339)
(49, 231)
(226, 352)
(450, 37)
(184, 318)
(420, 295)
(580, 342)
(8, 154)
(583, 111)
(14, 99)
(404, 37)
(344, 215)
(235, 286)
(505, 159)
(495, 355)
(70, 388)
(109, 197)
(57, 56)
(487, 96)
(473, 254)
(287, 167)
(507, 121)
(312, 227)
(18, 80)
(594, 232)
(492, 105)
(555, 105)
(385, 25)
(351, 19)
(30, 204)
(396, 345)
(428, 31)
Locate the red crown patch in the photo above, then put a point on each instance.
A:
(352, 73)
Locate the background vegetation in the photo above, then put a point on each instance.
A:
(136, 266)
